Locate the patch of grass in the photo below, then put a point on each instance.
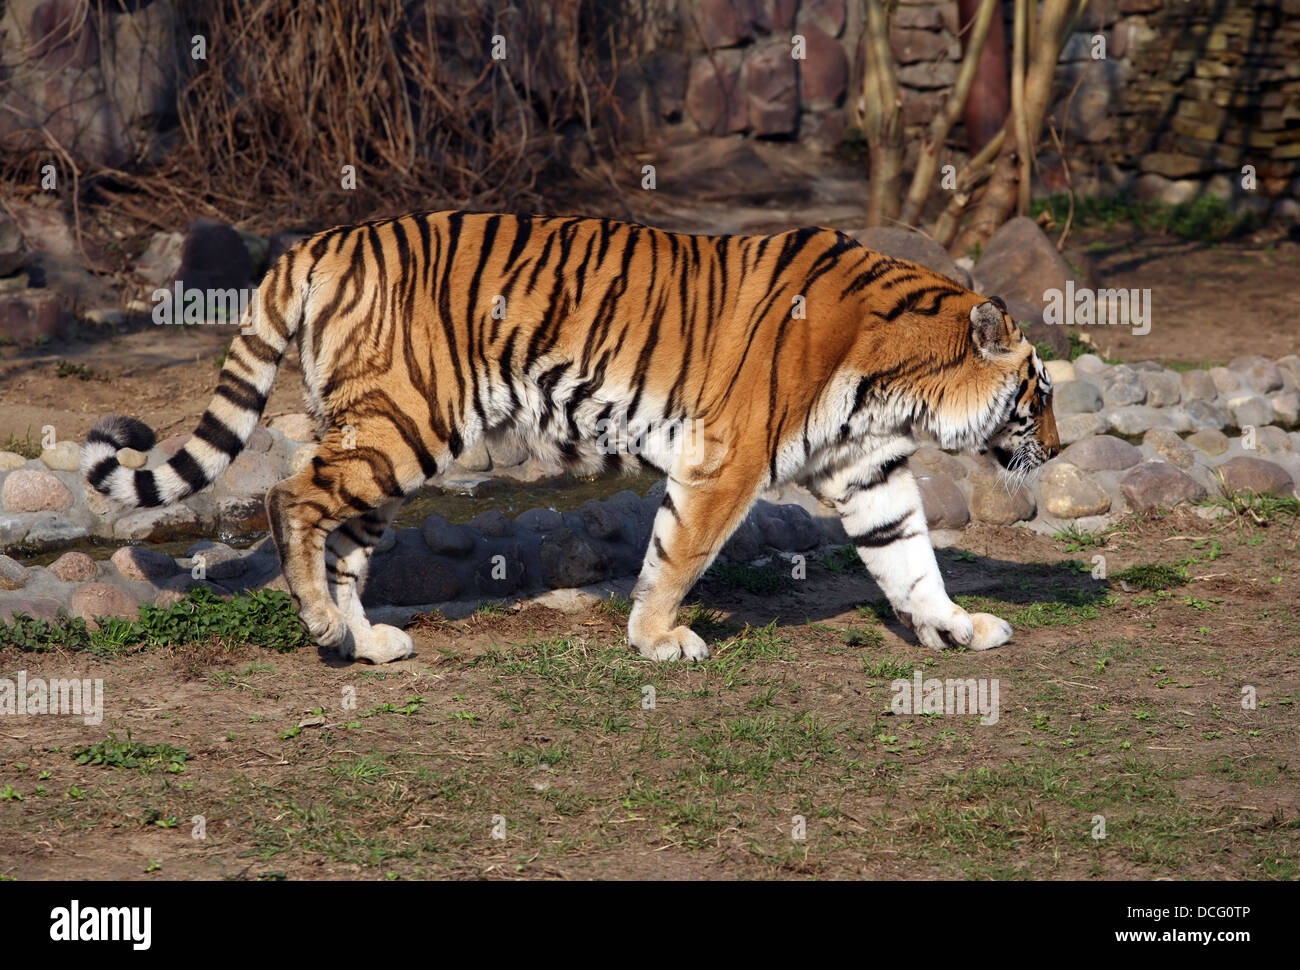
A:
(1151, 576)
(842, 560)
(1260, 509)
(617, 608)
(492, 608)
(1070, 608)
(1077, 540)
(759, 580)
(858, 637)
(116, 753)
(67, 368)
(263, 617)
(1203, 219)
(27, 446)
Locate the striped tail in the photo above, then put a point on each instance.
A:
(251, 363)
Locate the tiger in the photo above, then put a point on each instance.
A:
(738, 362)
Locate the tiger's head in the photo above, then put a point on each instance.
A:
(1024, 432)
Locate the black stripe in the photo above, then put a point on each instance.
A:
(190, 471)
(214, 431)
(146, 489)
(885, 534)
(101, 471)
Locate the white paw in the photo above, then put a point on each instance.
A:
(957, 629)
(382, 644)
(990, 631)
(679, 643)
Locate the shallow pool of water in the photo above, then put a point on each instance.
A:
(508, 498)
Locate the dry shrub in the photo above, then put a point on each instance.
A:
(408, 93)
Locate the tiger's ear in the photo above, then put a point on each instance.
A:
(988, 329)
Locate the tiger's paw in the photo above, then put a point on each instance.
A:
(381, 644)
(950, 627)
(680, 643)
(990, 631)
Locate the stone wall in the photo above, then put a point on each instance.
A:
(1174, 97)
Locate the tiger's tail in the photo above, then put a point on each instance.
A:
(266, 328)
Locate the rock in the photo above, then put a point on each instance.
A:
(788, 527)
(65, 456)
(1197, 385)
(13, 574)
(251, 474)
(1060, 371)
(214, 257)
(1101, 453)
(1286, 407)
(301, 458)
(259, 441)
(745, 544)
(409, 579)
(33, 490)
(772, 91)
(1136, 420)
(827, 15)
(160, 263)
(446, 538)
(156, 524)
(1166, 191)
(104, 599)
(1243, 474)
(1090, 367)
(241, 516)
(1210, 440)
(47, 535)
(1075, 397)
(1225, 381)
(1163, 388)
(713, 94)
(567, 601)
(929, 460)
(1260, 372)
(37, 607)
(493, 524)
(943, 501)
(601, 522)
(1170, 447)
(824, 71)
(296, 427)
(539, 520)
(168, 447)
(991, 501)
(1204, 415)
(909, 245)
(13, 247)
(75, 567)
(1250, 410)
(10, 460)
(130, 458)
(1020, 263)
(570, 560)
(1157, 483)
(136, 562)
(500, 574)
(1067, 493)
(1270, 440)
(1075, 427)
(1122, 386)
(928, 76)
(726, 23)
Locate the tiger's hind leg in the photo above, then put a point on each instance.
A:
(347, 561)
(341, 484)
(700, 510)
(881, 511)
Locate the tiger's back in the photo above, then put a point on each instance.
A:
(729, 362)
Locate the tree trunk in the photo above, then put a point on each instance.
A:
(990, 98)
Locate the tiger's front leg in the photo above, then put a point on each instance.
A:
(881, 511)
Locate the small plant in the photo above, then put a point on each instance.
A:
(858, 637)
(116, 753)
(1076, 539)
(842, 560)
(27, 446)
(1152, 576)
(67, 368)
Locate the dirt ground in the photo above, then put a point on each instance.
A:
(1116, 708)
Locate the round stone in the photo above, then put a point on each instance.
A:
(992, 502)
(1075, 397)
(75, 567)
(943, 501)
(1244, 474)
(1211, 441)
(104, 599)
(1067, 493)
(34, 490)
(63, 457)
(136, 562)
(1170, 447)
(1102, 453)
(1158, 483)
